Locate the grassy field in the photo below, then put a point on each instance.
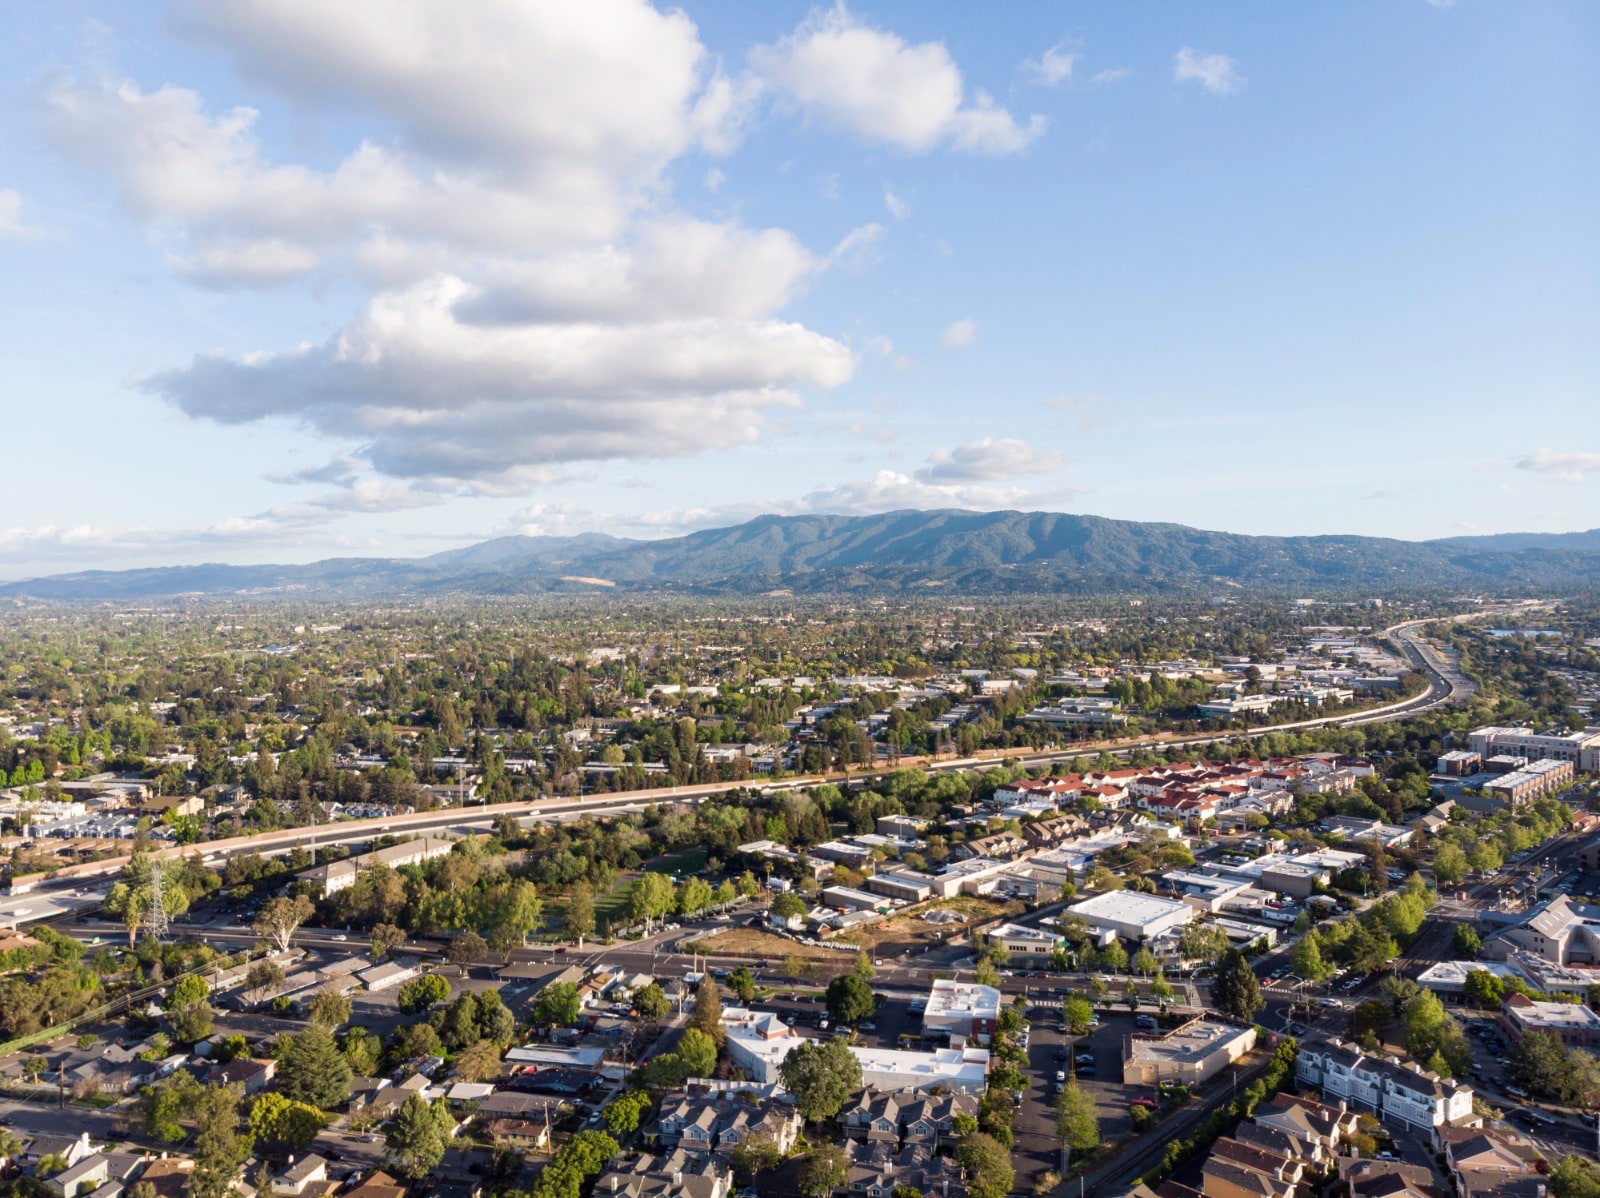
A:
(611, 908)
(683, 863)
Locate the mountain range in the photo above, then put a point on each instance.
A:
(907, 551)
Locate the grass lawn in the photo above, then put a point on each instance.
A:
(611, 908)
(684, 862)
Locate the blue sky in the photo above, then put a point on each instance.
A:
(282, 280)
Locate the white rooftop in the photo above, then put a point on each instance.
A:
(962, 998)
(1128, 906)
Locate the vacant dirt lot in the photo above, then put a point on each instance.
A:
(908, 931)
(753, 942)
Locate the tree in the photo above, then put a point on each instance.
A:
(188, 991)
(788, 905)
(361, 1050)
(220, 1149)
(1542, 1063)
(290, 1125)
(1078, 1014)
(1574, 1177)
(479, 1061)
(652, 897)
(1369, 1019)
(328, 1007)
(1202, 942)
(1114, 957)
(707, 1014)
(465, 949)
(825, 1170)
(193, 1022)
(651, 1002)
(698, 1052)
(1465, 942)
(417, 995)
(985, 974)
(578, 920)
(261, 978)
(557, 1005)
(418, 1137)
(988, 1166)
(696, 896)
(386, 939)
(755, 1154)
(625, 1111)
(416, 1040)
(743, 984)
(821, 1076)
(1235, 990)
(1076, 1121)
(1449, 864)
(494, 1020)
(850, 998)
(1144, 962)
(311, 1069)
(1484, 989)
(280, 918)
(1306, 959)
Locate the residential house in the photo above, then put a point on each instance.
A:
(1314, 1122)
(1489, 1160)
(1387, 1179)
(1225, 1179)
(677, 1175)
(705, 1123)
(1315, 1155)
(71, 1149)
(379, 1185)
(87, 1175)
(876, 1169)
(307, 1175)
(519, 1133)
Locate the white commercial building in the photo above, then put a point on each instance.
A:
(963, 1009)
(758, 1041)
(1131, 914)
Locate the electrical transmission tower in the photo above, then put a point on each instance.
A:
(155, 919)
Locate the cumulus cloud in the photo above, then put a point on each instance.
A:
(959, 333)
(47, 544)
(1564, 467)
(871, 82)
(1215, 72)
(11, 216)
(1053, 67)
(535, 296)
(989, 459)
(433, 396)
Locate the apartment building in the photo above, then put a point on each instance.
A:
(1396, 1091)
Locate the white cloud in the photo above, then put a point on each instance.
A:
(340, 472)
(1053, 67)
(989, 459)
(11, 216)
(714, 179)
(1109, 75)
(558, 520)
(253, 263)
(536, 298)
(958, 334)
(435, 397)
(1564, 467)
(871, 82)
(897, 207)
(50, 544)
(1215, 72)
(374, 495)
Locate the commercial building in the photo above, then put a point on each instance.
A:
(1131, 915)
(758, 1041)
(856, 900)
(1396, 1092)
(340, 875)
(961, 1009)
(1027, 948)
(1576, 1024)
(1204, 892)
(1355, 828)
(907, 885)
(1190, 1054)
(1459, 763)
(1561, 931)
(1581, 749)
(1227, 709)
